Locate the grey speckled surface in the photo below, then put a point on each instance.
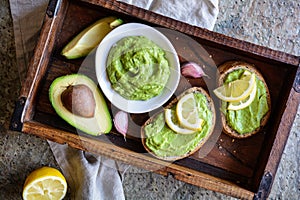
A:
(274, 24)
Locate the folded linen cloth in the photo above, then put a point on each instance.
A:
(89, 176)
(92, 176)
(202, 13)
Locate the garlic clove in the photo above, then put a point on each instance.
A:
(192, 69)
(121, 122)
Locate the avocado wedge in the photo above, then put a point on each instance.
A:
(83, 43)
(84, 91)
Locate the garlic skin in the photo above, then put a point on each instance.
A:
(192, 69)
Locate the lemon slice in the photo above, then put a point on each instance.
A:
(244, 103)
(237, 90)
(170, 118)
(90, 37)
(187, 113)
(45, 183)
(246, 75)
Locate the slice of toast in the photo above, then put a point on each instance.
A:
(173, 102)
(224, 70)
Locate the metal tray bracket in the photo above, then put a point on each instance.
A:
(264, 187)
(16, 123)
(296, 85)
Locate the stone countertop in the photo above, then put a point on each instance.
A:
(274, 24)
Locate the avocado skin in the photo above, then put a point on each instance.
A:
(99, 124)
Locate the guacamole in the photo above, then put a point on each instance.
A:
(164, 142)
(248, 119)
(137, 68)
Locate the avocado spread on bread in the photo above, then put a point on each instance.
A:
(247, 119)
(164, 142)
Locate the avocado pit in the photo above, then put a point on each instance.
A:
(79, 100)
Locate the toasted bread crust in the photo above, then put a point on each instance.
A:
(225, 69)
(173, 102)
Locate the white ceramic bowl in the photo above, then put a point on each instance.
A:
(136, 29)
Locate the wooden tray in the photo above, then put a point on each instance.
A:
(240, 168)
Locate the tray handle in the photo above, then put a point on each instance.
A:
(53, 8)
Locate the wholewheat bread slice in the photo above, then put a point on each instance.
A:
(172, 103)
(224, 70)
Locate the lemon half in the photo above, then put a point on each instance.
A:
(45, 183)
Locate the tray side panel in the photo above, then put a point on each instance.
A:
(150, 17)
(278, 145)
(39, 62)
(142, 161)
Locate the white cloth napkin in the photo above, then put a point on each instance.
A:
(91, 176)
(202, 13)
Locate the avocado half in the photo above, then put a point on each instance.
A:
(100, 123)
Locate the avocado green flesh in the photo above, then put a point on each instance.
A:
(137, 68)
(100, 123)
(248, 119)
(164, 142)
(78, 48)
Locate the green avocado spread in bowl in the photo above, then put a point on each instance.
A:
(137, 68)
